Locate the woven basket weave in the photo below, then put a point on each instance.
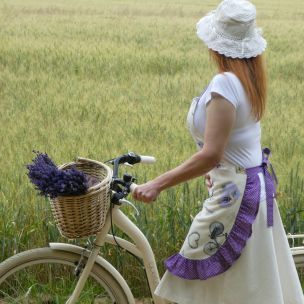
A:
(84, 215)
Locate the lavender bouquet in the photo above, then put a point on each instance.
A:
(52, 182)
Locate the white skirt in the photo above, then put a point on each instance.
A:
(264, 273)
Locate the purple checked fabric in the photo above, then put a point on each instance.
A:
(241, 231)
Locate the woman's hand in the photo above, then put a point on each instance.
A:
(147, 192)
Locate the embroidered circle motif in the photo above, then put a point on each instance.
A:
(216, 230)
(193, 239)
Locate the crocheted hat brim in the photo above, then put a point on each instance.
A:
(234, 48)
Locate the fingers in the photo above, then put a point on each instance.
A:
(140, 193)
(143, 197)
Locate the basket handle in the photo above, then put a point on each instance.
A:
(83, 159)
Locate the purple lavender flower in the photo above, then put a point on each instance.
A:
(52, 182)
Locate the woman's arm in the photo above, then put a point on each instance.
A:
(220, 118)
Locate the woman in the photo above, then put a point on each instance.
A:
(236, 251)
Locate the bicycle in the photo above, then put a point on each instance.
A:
(66, 273)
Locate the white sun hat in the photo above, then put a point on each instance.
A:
(231, 30)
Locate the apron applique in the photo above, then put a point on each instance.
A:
(217, 237)
(231, 194)
(225, 195)
(193, 239)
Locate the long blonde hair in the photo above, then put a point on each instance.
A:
(252, 74)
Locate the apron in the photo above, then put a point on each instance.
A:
(219, 232)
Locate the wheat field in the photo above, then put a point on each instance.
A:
(100, 78)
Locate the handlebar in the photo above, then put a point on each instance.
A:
(121, 187)
(131, 158)
(147, 159)
(132, 187)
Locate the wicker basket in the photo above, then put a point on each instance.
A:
(84, 215)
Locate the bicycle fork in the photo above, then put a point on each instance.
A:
(99, 241)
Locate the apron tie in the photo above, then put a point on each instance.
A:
(270, 186)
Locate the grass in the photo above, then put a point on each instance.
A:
(99, 78)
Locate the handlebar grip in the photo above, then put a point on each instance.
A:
(132, 187)
(147, 159)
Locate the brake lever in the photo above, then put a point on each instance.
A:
(124, 201)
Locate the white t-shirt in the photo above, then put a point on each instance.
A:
(244, 146)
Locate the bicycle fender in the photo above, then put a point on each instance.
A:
(297, 250)
(100, 261)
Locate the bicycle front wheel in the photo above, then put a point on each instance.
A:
(299, 261)
(46, 276)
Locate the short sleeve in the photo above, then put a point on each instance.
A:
(224, 85)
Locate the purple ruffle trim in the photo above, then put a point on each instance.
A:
(241, 231)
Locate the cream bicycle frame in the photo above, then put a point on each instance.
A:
(141, 248)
